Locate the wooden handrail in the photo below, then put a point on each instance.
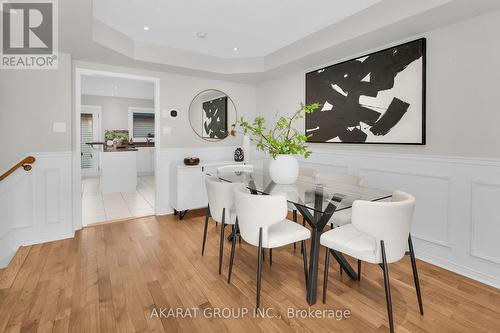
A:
(25, 163)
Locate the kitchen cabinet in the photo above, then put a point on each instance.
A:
(145, 160)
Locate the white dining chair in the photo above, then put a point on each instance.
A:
(379, 234)
(235, 168)
(262, 223)
(220, 208)
(341, 217)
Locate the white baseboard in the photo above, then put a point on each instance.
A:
(459, 269)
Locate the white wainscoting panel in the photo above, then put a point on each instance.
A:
(485, 229)
(456, 223)
(433, 207)
(36, 206)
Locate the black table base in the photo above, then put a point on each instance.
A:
(318, 221)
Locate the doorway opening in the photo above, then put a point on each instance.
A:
(117, 143)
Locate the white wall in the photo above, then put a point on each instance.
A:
(115, 109)
(30, 101)
(35, 206)
(176, 92)
(456, 175)
(462, 83)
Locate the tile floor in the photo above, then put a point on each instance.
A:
(98, 207)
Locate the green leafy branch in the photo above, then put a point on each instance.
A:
(283, 138)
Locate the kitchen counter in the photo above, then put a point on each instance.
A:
(143, 144)
(114, 149)
(132, 147)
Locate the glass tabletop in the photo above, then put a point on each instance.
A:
(305, 192)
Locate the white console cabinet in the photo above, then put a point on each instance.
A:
(187, 186)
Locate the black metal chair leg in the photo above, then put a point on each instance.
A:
(270, 257)
(304, 259)
(415, 275)
(221, 241)
(259, 268)
(325, 276)
(294, 217)
(302, 244)
(231, 258)
(238, 230)
(387, 288)
(204, 235)
(359, 270)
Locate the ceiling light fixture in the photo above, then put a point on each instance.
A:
(201, 34)
(146, 28)
(235, 49)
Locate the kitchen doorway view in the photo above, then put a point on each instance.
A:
(117, 132)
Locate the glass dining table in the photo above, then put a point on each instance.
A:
(316, 202)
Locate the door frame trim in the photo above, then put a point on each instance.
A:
(97, 110)
(77, 175)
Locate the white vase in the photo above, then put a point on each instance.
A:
(284, 169)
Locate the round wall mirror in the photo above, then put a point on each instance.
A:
(212, 115)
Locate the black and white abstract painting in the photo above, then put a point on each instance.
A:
(214, 119)
(377, 98)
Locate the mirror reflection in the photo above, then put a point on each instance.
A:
(212, 115)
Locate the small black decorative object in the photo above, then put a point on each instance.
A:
(238, 155)
(191, 161)
(173, 113)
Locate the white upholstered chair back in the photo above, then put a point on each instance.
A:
(387, 221)
(258, 211)
(220, 195)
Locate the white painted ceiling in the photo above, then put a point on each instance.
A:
(256, 27)
(116, 87)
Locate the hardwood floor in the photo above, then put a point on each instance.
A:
(112, 277)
